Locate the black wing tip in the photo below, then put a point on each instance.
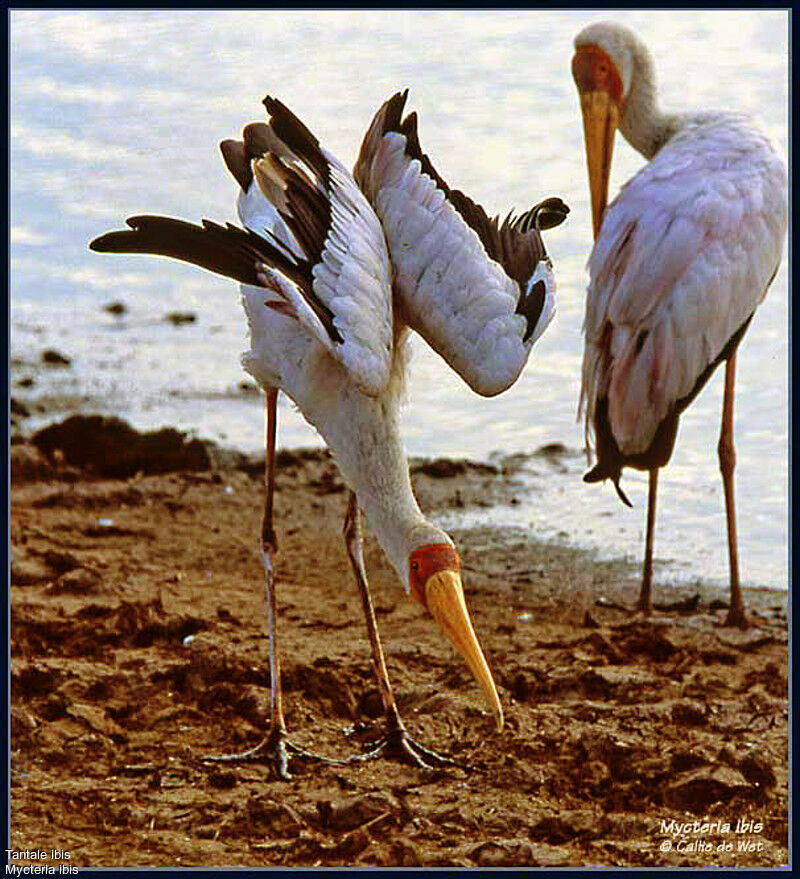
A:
(272, 104)
(109, 242)
(280, 113)
(100, 244)
(551, 212)
(546, 214)
(237, 161)
(399, 98)
(391, 113)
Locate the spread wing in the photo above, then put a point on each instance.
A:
(479, 292)
(310, 237)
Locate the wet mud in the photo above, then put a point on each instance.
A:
(138, 648)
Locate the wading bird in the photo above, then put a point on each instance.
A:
(333, 276)
(682, 257)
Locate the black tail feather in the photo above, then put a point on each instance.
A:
(600, 473)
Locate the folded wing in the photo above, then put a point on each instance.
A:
(685, 254)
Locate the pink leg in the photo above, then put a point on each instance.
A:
(275, 747)
(727, 463)
(645, 604)
(396, 742)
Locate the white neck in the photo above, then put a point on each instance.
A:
(363, 433)
(642, 123)
(384, 493)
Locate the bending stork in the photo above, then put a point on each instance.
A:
(682, 258)
(316, 259)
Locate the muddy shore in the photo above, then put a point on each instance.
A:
(138, 646)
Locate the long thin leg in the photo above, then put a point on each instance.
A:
(275, 747)
(645, 604)
(355, 551)
(269, 546)
(727, 462)
(397, 741)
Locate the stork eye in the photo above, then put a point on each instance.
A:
(414, 566)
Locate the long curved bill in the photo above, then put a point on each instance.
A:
(600, 120)
(444, 597)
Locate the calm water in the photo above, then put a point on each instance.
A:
(117, 113)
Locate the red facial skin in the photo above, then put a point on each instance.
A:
(594, 71)
(424, 562)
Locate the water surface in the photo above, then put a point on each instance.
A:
(115, 113)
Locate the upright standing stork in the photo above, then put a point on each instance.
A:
(682, 258)
(332, 278)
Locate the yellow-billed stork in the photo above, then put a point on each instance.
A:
(681, 260)
(333, 273)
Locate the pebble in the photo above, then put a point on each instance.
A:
(55, 358)
(178, 318)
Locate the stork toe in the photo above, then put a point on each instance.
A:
(276, 749)
(397, 744)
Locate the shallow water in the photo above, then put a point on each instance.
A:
(118, 113)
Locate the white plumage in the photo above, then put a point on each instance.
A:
(685, 254)
(459, 276)
(352, 275)
(682, 258)
(328, 323)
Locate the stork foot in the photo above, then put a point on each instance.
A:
(275, 749)
(737, 618)
(397, 744)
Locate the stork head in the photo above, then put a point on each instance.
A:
(434, 578)
(609, 59)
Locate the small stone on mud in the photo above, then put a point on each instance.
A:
(567, 825)
(28, 463)
(689, 713)
(19, 408)
(178, 318)
(265, 816)
(521, 688)
(222, 780)
(54, 707)
(61, 561)
(28, 572)
(405, 854)
(695, 791)
(503, 853)
(80, 581)
(596, 775)
(97, 720)
(370, 704)
(21, 721)
(55, 358)
(440, 468)
(347, 814)
(755, 768)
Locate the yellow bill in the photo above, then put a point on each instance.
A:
(600, 120)
(444, 596)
